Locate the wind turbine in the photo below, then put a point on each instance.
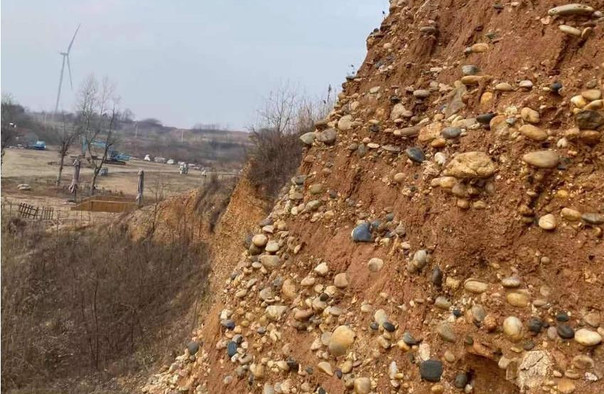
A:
(65, 58)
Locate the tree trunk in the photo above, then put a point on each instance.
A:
(60, 169)
(93, 183)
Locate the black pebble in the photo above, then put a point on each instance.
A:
(565, 331)
(535, 325)
(228, 324)
(562, 316)
(437, 277)
(485, 118)
(461, 380)
(415, 154)
(409, 340)
(292, 364)
(193, 347)
(231, 348)
(431, 370)
(388, 326)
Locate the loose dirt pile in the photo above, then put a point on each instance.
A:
(445, 231)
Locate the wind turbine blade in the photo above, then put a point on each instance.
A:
(73, 39)
(69, 69)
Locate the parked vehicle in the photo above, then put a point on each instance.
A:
(38, 145)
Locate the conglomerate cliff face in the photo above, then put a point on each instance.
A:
(445, 230)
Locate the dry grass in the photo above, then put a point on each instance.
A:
(80, 304)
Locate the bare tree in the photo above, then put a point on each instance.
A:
(276, 151)
(98, 116)
(279, 110)
(286, 111)
(67, 137)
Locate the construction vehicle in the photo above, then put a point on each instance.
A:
(113, 156)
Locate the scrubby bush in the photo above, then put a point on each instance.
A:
(276, 149)
(275, 157)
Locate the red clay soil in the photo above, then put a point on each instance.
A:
(489, 231)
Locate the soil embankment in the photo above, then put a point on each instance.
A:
(445, 230)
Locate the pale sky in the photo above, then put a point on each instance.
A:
(184, 61)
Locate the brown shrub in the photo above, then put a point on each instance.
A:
(275, 156)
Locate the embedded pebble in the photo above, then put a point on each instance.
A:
(593, 218)
(532, 132)
(475, 286)
(530, 115)
(510, 282)
(362, 386)
(571, 9)
(587, 337)
(512, 328)
(542, 159)
(446, 332)
(375, 264)
(341, 280)
(259, 240)
(415, 154)
(340, 341)
(362, 233)
(517, 299)
(535, 325)
(325, 367)
(431, 370)
(566, 386)
(565, 331)
(469, 69)
(451, 132)
(548, 222)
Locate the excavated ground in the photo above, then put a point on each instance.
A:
(483, 255)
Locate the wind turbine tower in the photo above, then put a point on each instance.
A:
(65, 59)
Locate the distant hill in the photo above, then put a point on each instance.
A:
(209, 147)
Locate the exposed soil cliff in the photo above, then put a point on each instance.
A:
(445, 230)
